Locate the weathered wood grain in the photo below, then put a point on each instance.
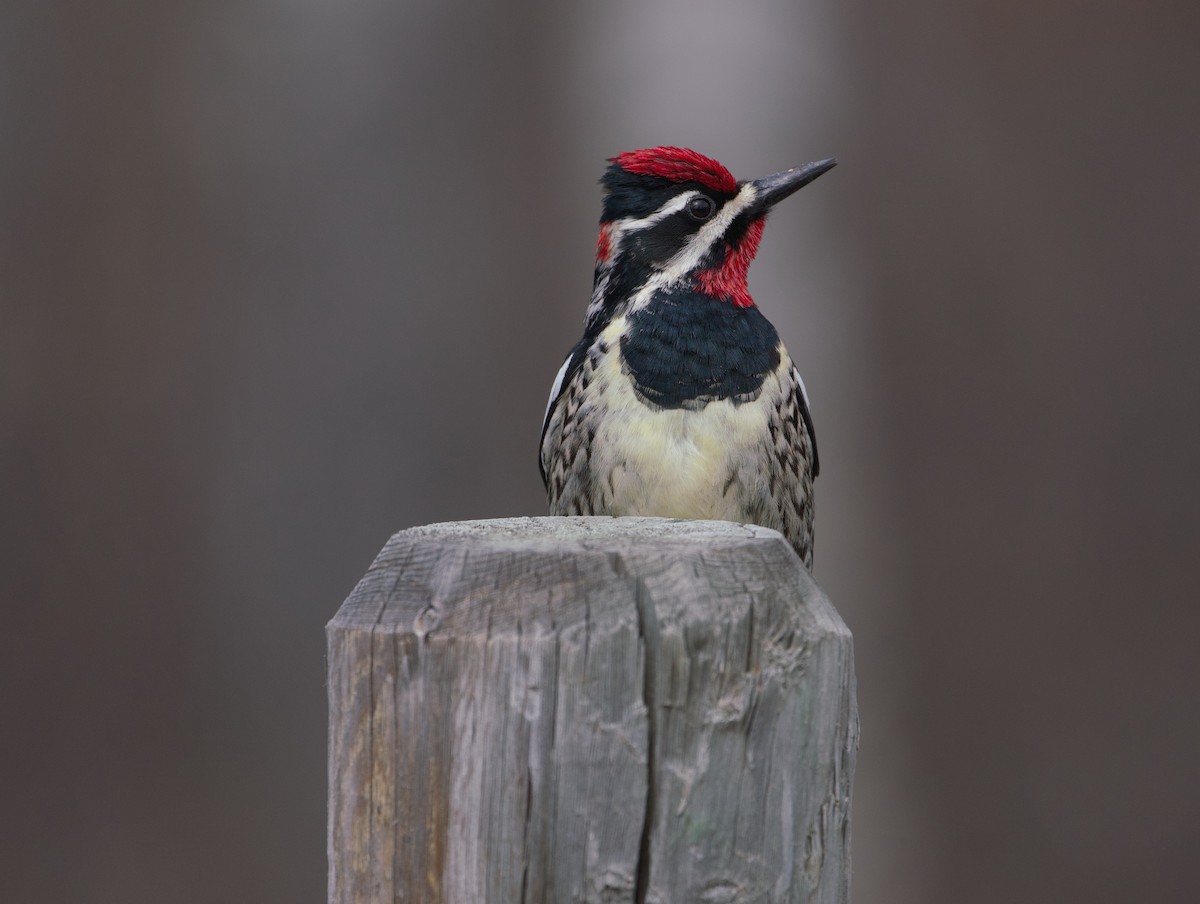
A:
(589, 710)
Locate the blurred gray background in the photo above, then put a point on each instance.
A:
(279, 279)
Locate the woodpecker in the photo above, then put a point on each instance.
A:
(680, 400)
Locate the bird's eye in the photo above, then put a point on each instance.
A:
(701, 207)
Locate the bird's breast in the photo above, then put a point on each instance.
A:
(685, 349)
(681, 461)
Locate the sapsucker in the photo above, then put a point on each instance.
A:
(680, 401)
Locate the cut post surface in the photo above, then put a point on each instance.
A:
(589, 709)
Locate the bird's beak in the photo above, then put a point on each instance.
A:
(773, 189)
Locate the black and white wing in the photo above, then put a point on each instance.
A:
(562, 381)
(806, 414)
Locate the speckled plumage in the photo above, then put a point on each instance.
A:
(680, 401)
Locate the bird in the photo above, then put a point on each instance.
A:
(680, 401)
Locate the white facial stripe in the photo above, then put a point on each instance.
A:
(620, 228)
(674, 205)
(691, 253)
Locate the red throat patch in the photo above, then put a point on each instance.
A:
(678, 165)
(728, 281)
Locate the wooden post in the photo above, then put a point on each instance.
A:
(589, 709)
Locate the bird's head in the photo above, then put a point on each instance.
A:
(674, 216)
